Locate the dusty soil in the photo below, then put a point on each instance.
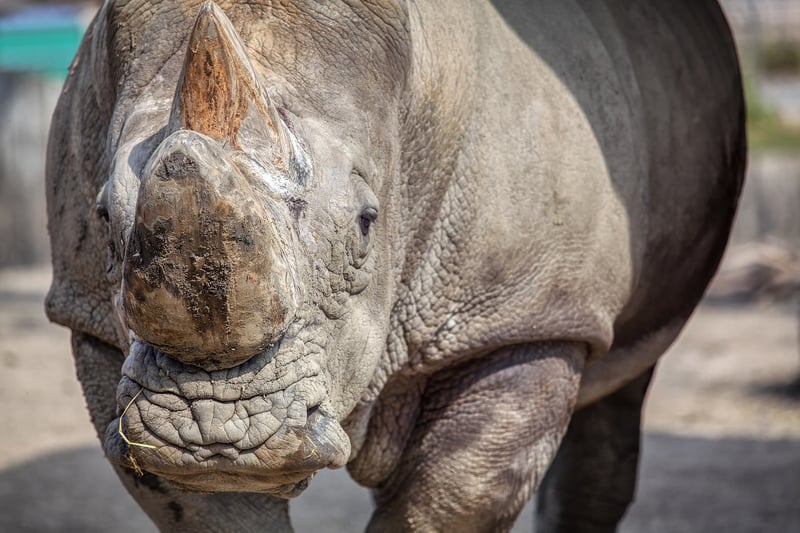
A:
(721, 452)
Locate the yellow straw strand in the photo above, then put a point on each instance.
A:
(122, 434)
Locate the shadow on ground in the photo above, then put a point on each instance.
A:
(785, 391)
(688, 484)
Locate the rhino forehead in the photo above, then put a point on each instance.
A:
(317, 49)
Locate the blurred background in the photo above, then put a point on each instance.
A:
(722, 420)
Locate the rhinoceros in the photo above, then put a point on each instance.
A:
(441, 243)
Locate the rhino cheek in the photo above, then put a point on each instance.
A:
(353, 362)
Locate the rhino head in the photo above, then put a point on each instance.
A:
(244, 272)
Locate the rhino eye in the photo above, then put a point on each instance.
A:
(366, 219)
(102, 212)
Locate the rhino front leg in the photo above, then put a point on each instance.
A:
(98, 368)
(592, 480)
(486, 432)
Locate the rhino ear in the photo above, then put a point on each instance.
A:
(218, 95)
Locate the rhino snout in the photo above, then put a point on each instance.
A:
(208, 276)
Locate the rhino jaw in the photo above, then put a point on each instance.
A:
(237, 430)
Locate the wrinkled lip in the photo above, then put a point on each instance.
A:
(237, 430)
(199, 483)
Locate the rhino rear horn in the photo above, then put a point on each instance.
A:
(218, 94)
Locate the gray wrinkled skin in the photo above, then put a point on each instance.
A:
(408, 237)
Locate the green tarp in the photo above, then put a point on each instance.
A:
(40, 40)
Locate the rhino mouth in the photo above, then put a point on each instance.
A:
(262, 426)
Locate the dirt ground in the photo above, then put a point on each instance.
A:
(721, 449)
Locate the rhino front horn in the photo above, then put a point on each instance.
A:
(218, 95)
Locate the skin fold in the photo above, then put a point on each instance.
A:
(429, 241)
